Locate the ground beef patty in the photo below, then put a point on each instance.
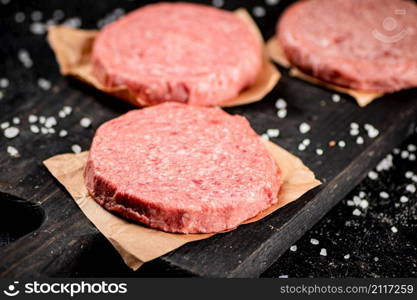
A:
(180, 52)
(181, 168)
(367, 45)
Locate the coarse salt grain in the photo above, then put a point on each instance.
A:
(44, 130)
(314, 241)
(347, 256)
(394, 229)
(86, 122)
(293, 248)
(409, 174)
(412, 148)
(36, 15)
(354, 132)
(301, 147)
(44, 84)
(356, 212)
(38, 28)
(19, 17)
(12, 151)
(42, 119)
(410, 188)
(63, 133)
(218, 3)
(404, 154)
(350, 203)
(304, 128)
(364, 204)
(282, 113)
(259, 11)
(11, 132)
(4, 125)
(412, 157)
(272, 2)
(341, 144)
(336, 98)
(67, 110)
(62, 114)
(280, 104)
(4, 83)
(273, 133)
(396, 151)
(24, 57)
(265, 137)
(384, 195)
(323, 252)
(403, 199)
(306, 142)
(50, 122)
(359, 140)
(76, 148)
(16, 120)
(414, 178)
(319, 151)
(362, 194)
(34, 128)
(354, 125)
(32, 119)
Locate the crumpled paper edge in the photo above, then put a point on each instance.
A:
(72, 48)
(276, 53)
(138, 244)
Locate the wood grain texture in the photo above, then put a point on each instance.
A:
(67, 244)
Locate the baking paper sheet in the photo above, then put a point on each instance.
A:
(72, 48)
(276, 53)
(138, 244)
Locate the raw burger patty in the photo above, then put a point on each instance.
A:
(180, 52)
(367, 45)
(181, 168)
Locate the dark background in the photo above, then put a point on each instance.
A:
(375, 251)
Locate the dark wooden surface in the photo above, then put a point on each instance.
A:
(67, 244)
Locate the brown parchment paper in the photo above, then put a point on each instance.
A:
(72, 48)
(276, 53)
(138, 244)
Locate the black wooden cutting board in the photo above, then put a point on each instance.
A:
(42, 230)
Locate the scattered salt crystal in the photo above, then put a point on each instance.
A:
(410, 188)
(76, 148)
(376, 258)
(304, 128)
(38, 28)
(19, 17)
(282, 113)
(265, 137)
(356, 212)
(301, 147)
(356, 200)
(412, 157)
(384, 195)
(72, 22)
(51, 130)
(11, 132)
(350, 203)
(283, 276)
(293, 248)
(394, 229)
(50, 122)
(24, 57)
(385, 164)
(336, 98)
(4, 125)
(341, 144)
(396, 151)
(258, 11)
(364, 204)
(362, 194)
(412, 148)
(404, 154)
(314, 241)
(319, 151)
(414, 178)
(58, 15)
(34, 128)
(44, 84)
(354, 125)
(354, 132)
(280, 104)
(359, 140)
(36, 15)
(306, 142)
(409, 174)
(67, 110)
(12, 151)
(323, 252)
(4, 83)
(62, 114)
(272, 2)
(42, 119)
(86, 122)
(32, 119)
(347, 256)
(63, 133)
(273, 133)
(44, 130)
(218, 3)
(16, 120)
(403, 199)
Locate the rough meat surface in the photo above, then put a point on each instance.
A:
(368, 45)
(181, 168)
(180, 52)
